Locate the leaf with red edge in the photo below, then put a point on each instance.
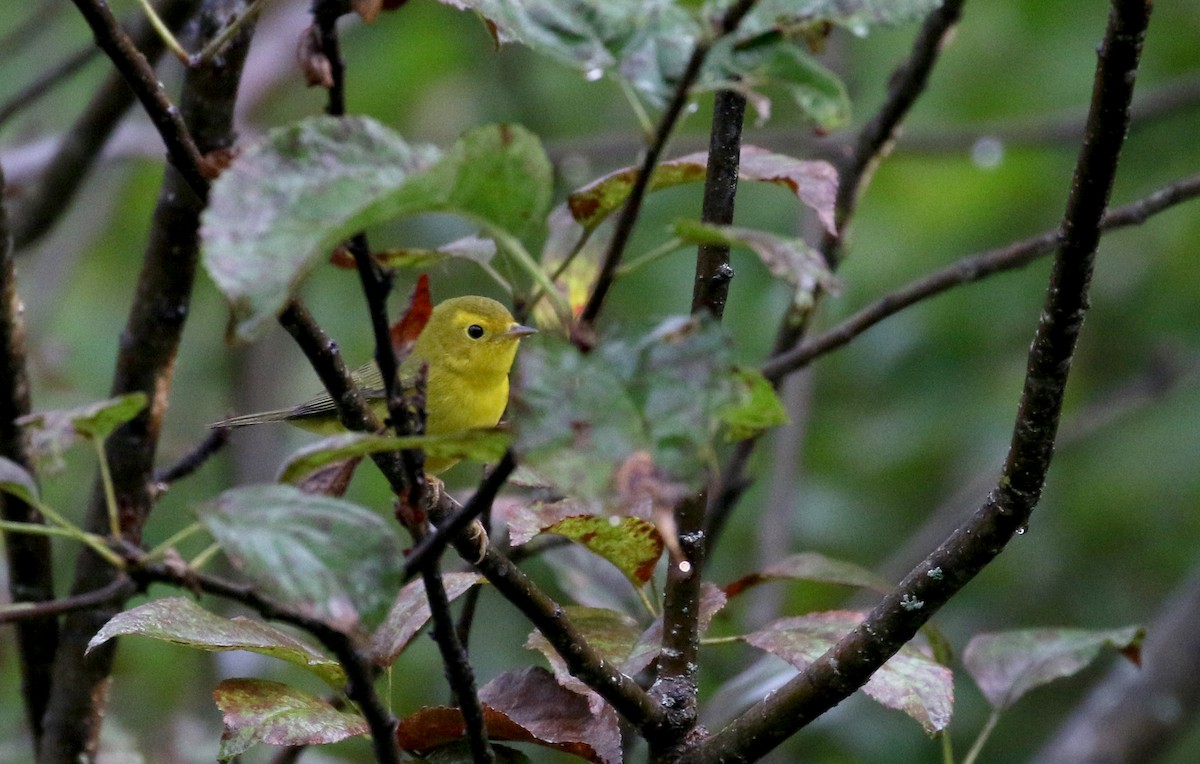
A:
(409, 613)
(909, 681)
(1008, 664)
(632, 544)
(811, 566)
(814, 183)
(258, 711)
(408, 328)
(525, 706)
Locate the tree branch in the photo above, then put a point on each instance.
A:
(968, 270)
(896, 619)
(119, 590)
(149, 345)
(46, 81)
(29, 557)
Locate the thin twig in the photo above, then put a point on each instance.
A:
(194, 459)
(896, 619)
(46, 82)
(140, 76)
(968, 270)
(119, 590)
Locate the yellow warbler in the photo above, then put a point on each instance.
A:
(467, 346)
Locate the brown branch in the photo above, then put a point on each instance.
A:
(194, 459)
(145, 360)
(968, 270)
(29, 557)
(666, 124)
(896, 619)
(80, 147)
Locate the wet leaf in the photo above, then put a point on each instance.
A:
(811, 566)
(1008, 664)
(181, 621)
(326, 557)
(258, 711)
(611, 634)
(482, 445)
(287, 201)
(909, 681)
(524, 706)
(15, 480)
(790, 260)
(409, 613)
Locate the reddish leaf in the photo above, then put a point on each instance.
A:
(409, 613)
(525, 706)
(330, 480)
(910, 681)
(258, 711)
(1006, 665)
(408, 328)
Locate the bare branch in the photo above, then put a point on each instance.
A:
(119, 590)
(968, 270)
(46, 81)
(896, 619)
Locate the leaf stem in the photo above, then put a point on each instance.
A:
(164, 32)
(982, 738)
(174, 540)
(110, 494)
(670, 246)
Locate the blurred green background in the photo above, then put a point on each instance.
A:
(901, 430)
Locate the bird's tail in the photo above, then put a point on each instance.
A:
(246, 420)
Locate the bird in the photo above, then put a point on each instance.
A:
(467, 348)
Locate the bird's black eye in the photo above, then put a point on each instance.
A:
(474, 331)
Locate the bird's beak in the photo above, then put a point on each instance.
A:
(519, 331)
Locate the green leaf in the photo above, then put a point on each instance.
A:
(324, 556)
(183, 622)
(409, 613)
(1006, 665)
(909, 681)
(478, 445)
(632, 544)
(258, 711)
(54, 431)
(856, 15)
(283, 204)
(15, 480)
(811, 566)
(791, 260)
(756, 409)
